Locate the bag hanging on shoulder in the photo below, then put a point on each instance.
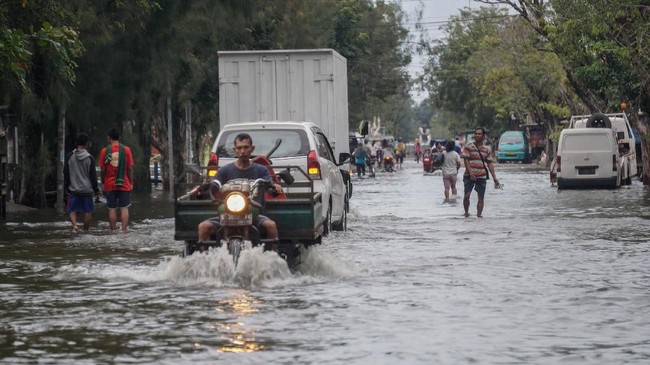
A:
(487, 172)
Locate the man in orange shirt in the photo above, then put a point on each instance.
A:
(116, 164)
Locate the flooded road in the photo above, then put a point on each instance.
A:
(545, 277)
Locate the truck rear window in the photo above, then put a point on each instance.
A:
(586, 142)
(294, 142)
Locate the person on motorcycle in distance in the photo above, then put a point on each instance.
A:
(400, 151)
(241, 168)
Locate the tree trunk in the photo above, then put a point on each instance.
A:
(60, 201)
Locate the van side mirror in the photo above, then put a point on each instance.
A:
(344, 157)
(623, 148)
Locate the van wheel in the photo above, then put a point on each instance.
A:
(327, 225)
(343, 224)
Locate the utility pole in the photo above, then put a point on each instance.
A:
(170, 144)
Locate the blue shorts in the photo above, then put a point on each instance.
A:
(478, 185)
(80, 204)
(117, 199)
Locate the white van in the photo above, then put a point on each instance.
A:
(588, 157)
(620, 125)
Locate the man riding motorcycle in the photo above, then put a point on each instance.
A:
(241, 168)
(389, 160)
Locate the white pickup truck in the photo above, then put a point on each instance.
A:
(587, 158)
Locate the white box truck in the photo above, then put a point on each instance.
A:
(283, 94)
(308, 85)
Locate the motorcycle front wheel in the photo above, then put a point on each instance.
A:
(234, 248)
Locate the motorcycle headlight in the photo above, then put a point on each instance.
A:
(236, 202)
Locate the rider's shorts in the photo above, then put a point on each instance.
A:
(258, 222)
(478, 185)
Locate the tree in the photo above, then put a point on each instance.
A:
(145, 58)
(604, 49)
(451, 75)
(41, 62)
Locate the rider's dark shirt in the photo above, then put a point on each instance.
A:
(230, 172)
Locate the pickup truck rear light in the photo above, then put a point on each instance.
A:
(212, 164)
(558, 164)
(614, 164)
(313, 166)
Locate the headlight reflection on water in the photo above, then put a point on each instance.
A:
(236, 336)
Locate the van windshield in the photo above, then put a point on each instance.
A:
(511, 140)
(586, 142)
(294, 142)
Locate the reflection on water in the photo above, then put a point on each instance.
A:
(238, 337)
(546, 276)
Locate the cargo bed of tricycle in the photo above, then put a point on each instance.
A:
(298, 217)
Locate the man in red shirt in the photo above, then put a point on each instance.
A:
(116, 164)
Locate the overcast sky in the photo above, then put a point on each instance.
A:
(436, 13)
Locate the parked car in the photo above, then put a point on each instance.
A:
(303, 146)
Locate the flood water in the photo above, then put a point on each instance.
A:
(546, 277)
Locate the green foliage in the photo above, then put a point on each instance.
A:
(14, 55)
(492, 71)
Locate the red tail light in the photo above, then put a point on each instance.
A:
(313, 166)
(214, 159)
(614, 164)
(212, 164)
(558, 163)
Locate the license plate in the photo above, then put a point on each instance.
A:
(587, 170)
(235, 220)
(510, 154)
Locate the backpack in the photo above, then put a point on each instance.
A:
(438, 159)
